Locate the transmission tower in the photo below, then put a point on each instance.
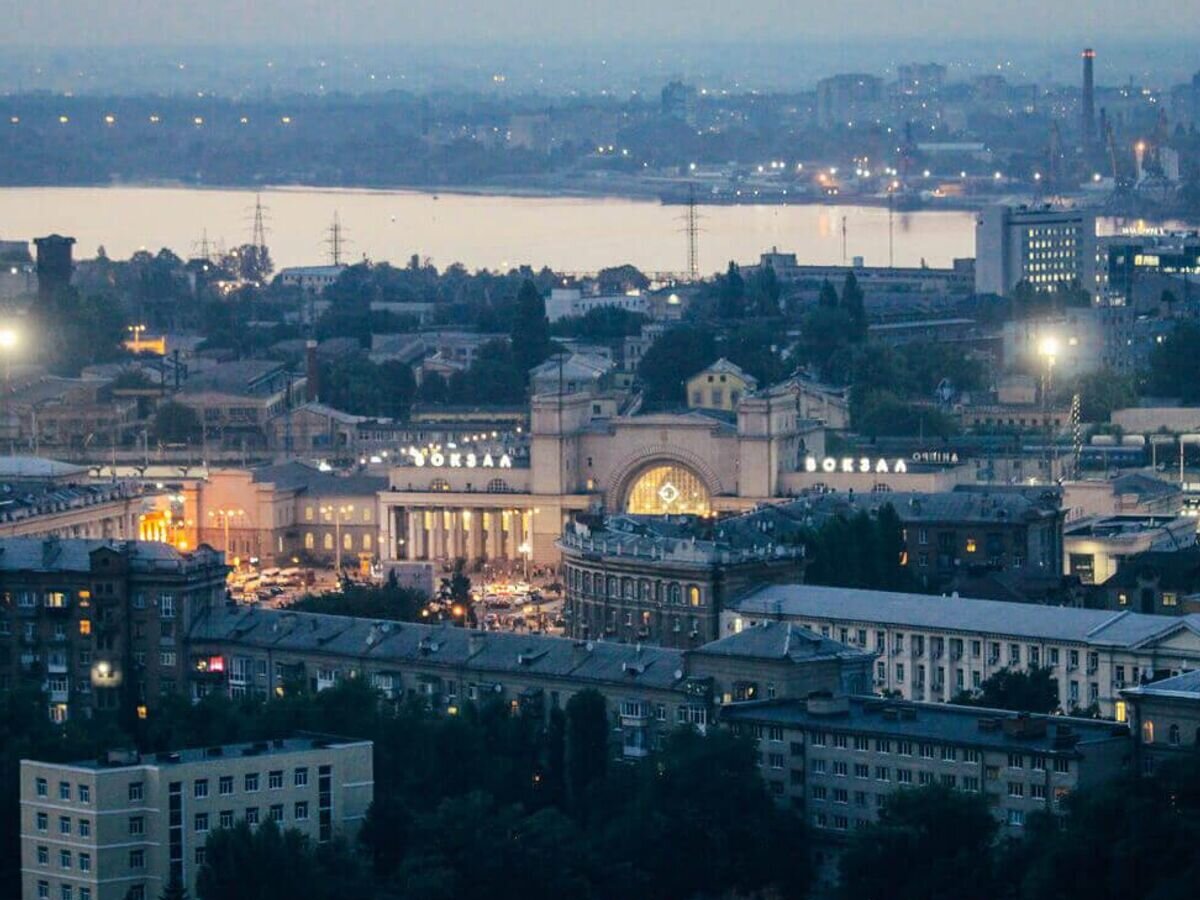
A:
(692, 230)
(336, 241)
(258, 236)
(202, 248)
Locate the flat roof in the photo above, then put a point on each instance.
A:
(240, 750)
(962, 725)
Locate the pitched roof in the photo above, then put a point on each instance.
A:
(1185, 687)
(957, 614)
(779, 641)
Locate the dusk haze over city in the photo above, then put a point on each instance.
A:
(616, 451)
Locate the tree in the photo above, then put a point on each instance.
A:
(1034, 691)
(828, 298)
(175, 423)
(530, 329)
(672, 359)
(1102, 392)
(852, 303)
(1175, 364)
(931, 843)
(586, 744)
(731, 293)
(456, 590)
(388, 601)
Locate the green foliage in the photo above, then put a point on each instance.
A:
(931, 843)
(174, 890)
(497, 376)
(387, 601)
(752, 347)
(269, 863)
(356, 385)
(586, 744)
(1100, 393)
(74, 330)
(1034, 691)
(672, 359)
(852, 303)
(858, 552)
(175, 423)
(530, 329)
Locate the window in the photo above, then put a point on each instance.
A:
(251, 815)
(300, 811)
(200, 822)
(201, 855)
(225, 818)
(136, 792)
(85, 828)
(43, 822)
(862, 770)
(1015, 817)
(275, 780)
(882, 773)
(904, 776)
(251, 781)
(137, 859)
(64, 790)
(1016, 761)
(840, 768)
(137, 825)
(166, 606)
(225, 785)
(64, 825)
(65, 891)
(1016, 789)
(43, 890)
(200, 788)
(41, 787)
(300, 776)
(1062, 766)
(276, 812)
(64, 859)
(85, 793)
(43, 856)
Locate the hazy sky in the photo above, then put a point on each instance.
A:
(326, 22)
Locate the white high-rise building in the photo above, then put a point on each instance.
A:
(1044, 246)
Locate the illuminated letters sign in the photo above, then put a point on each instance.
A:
(454, 460)
(852, 464)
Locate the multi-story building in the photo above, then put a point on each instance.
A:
(1166, 582)
(952, 538)
(1164, 717)
(1095, 548)
(125, 826)
(288, 511)
(1041, 246)
(71, 509)
(932, 647)
(836, 759)
(649, 690)
(719, 386)
(236, 401)
(99, 624)
(842, 99)
(664, 581)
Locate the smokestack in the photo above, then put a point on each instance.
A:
(1088, 111)
(312, 384)
(54, 265)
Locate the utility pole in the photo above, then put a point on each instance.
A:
(843, 240)
(891, 232)
(258, 236)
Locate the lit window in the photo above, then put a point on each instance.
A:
(85, 626)
(970, 545)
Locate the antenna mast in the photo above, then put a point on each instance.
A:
(692, 230)
(336, 242)
(258, 236)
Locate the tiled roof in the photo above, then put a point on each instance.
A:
(778, 640)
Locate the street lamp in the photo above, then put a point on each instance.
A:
(223, 516)
(337, 512)
(137, 331)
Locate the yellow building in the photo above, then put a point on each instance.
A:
(720, 386)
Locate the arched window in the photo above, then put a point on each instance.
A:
(644, 589)
(668, 490)
(693, 596)
(309, 542)
(674, 595)
(612, 586)
(366, 541)
(347, 541)
(498, 486)
(1148, 732)
(587, 582)
(627, 588)
(328, 542)
(1173, 735)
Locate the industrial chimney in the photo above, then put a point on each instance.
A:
(1088, 110)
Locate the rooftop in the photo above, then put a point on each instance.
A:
(959, 725)
(1183, 687)
(982, 506)
(121, 759)
(494, 652)
(35, 467)
(779, 641)
(29, 554)
(298, 476)
(1097, 627)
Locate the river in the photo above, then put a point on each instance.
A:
(481, 231)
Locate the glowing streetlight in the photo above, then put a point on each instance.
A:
(8, 338)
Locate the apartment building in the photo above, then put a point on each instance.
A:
(836, 759)
(1164, 717)
(121, 828)
(99, 624)
(931, 647)
(650, 690)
